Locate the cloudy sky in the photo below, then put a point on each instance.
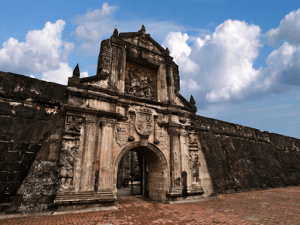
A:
(239, 59)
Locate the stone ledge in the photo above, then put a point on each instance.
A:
(48, 213)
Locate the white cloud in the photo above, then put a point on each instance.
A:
(84, 74)
(98, 24)
(288, 30)
(96, 15)
(60, 75)
(222, 62)
(284, 65)
(179, 49)
(284, 62)
(218, 68)
(90, 26)
(41, 52)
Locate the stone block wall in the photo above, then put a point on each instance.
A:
(31, 126)
(240, 158)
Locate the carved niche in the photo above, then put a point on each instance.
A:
(121, 133)
(144, 121)
(140, 81)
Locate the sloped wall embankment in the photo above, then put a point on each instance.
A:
(241, 158)
(31, 126)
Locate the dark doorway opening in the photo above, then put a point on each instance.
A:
(142, 171)
(131, 177)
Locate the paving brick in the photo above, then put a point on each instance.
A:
(272, 206)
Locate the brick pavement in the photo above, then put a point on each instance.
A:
(272, 206)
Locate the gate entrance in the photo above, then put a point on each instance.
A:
(146, 174)
(132, 104)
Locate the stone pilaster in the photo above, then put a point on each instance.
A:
(185, 164)
(156, 130)
(87, 179)
(105, 183)
(175, 162)
(170, 82)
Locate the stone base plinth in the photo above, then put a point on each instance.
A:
(175, 192)
(179, 194)
(83, 200)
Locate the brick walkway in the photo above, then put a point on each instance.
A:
(273, 206)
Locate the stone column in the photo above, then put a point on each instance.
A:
(87, 180)
(175, 162)
(105, 185)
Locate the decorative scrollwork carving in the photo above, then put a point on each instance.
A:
(73, 123)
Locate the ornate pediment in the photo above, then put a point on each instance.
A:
(143, 40)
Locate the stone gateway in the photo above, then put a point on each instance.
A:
(63, 146)
(130, 104)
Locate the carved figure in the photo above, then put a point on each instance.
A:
(68, 154)
(195, 165)
(192, 138)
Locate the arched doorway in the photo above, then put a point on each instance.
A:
(155, 173)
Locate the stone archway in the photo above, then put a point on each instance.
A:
(158, 172)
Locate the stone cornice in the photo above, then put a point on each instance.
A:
(118, 116)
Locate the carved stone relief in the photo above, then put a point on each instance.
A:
(68, 156)
(195, 165)
(121, 133)
(192, 139)
(73, 124)
(75, 101)
(100, 83)
(69, 151)
(178, 102)
(163, 137)
(140, 81)
(143, 42)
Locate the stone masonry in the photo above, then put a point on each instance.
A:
(68, 147)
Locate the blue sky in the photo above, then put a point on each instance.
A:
(239, 59)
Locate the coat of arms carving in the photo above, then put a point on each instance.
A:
(144, 121)
(121, 133)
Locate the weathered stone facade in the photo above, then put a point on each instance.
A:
(63, 146)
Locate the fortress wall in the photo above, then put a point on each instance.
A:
(241, 158)
(31, 126)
